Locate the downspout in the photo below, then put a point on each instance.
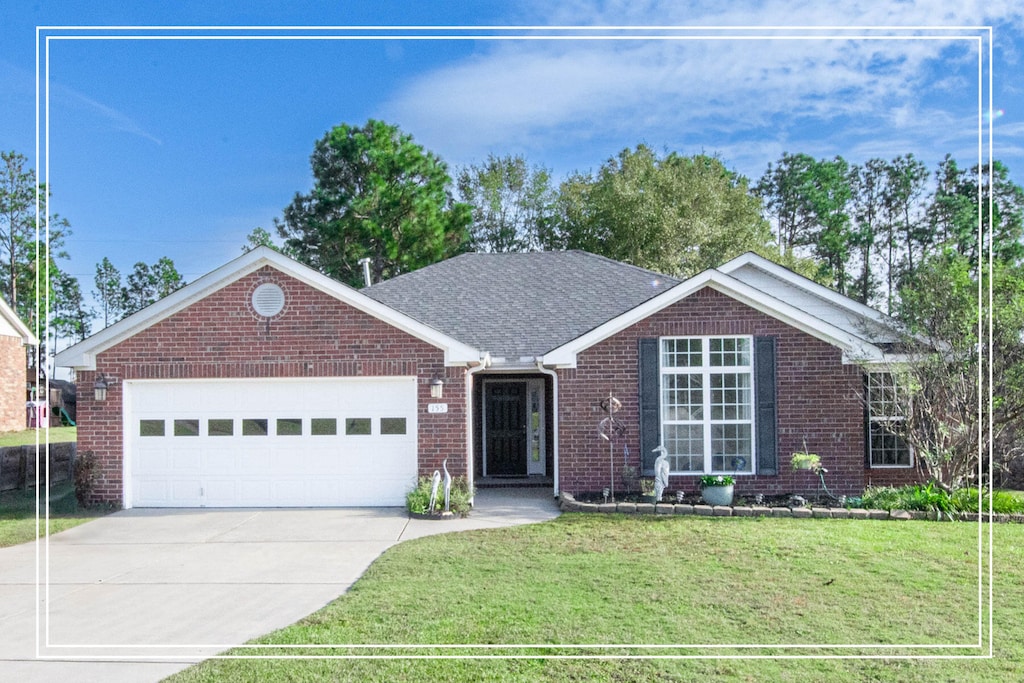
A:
(554, 417)
(485, 362)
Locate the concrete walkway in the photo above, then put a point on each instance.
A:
(142, 593)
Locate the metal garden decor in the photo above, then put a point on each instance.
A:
(610, 428)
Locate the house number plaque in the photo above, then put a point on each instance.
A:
(437, 408)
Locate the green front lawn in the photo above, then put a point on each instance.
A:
(609, 579)
(27, 437)
(18, 514)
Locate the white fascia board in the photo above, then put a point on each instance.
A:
(854, 349)
(888, 361)
(821, 291)
(21, 328)
(82, 356)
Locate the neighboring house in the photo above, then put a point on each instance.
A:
(14, 337)
(267, 383)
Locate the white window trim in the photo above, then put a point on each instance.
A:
(706, 370)
(872, 419)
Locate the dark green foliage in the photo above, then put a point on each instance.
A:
(418, 500)
(108, 291)
(23, 258)
(1003, 502)
(377, 195)
(148, 284)
(512, 204)
(71, 318)
(930, 498)
(675, 215)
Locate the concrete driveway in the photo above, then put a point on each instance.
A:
(142, 593)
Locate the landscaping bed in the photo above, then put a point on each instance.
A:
(770, 506)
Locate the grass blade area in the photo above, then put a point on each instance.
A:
(608, 579)
(18, 513)
(28, 437)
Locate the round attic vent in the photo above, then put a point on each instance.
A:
(268, 300)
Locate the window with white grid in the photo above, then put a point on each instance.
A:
(885, 414)
(707, 414)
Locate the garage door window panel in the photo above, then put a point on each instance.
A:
(186, 427)
(323, 426)
(151, 427)
(357, 426)
(254, 427)
(392, 425)
(220, 427)
(289, 426)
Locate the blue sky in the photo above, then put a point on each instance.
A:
(181, 147)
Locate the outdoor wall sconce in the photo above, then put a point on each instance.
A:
(100, 388)
(436, 387)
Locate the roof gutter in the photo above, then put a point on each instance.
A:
(483, 364)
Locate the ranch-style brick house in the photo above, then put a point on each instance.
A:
(266, 383)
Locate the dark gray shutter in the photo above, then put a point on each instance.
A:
(764, 404)
(650, 403)
(867, 423)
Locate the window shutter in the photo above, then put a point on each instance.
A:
(764, 399)
(650, 403)
(867, 424)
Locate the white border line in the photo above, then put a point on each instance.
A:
(978, 39)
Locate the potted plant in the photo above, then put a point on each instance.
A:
(802, 460)
(716, 489)
(418, 500)
(647, 491)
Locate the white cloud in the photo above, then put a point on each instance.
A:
(111, 117)
(541, 96)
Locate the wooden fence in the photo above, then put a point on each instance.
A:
(18, 465)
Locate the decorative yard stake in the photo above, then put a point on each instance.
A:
(447, 486)
(608, 428)
(435, 481)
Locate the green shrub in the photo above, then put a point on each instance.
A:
(923, 497)
(1003, 502)
(929, 498)
(418, 500)
(880, 498)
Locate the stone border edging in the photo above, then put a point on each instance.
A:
(567, 503)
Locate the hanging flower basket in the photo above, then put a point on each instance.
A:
(803, 460)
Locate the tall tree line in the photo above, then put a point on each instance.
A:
(871, 226)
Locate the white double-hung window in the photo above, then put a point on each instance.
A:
(885, 411)
(707, 404)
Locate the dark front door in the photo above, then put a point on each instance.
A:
(505, 428)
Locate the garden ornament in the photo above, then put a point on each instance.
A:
(447, 486)
(661, 469)
(435, 481)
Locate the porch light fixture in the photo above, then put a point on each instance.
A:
(100, 388)
(436, 387)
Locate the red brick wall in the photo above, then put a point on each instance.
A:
(12, 384)
(314, 336)
(819, 402)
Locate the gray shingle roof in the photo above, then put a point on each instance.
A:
(520, 305)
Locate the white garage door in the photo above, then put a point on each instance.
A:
(275, 443)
